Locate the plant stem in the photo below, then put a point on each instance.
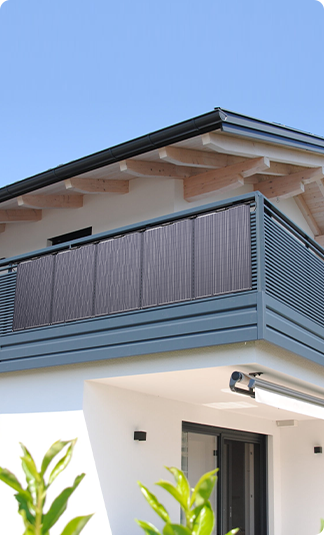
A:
(39, 511)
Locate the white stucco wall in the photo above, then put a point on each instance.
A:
(112, 416)
(302, 476)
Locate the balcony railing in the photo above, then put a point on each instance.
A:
(240, 245)
(176, 259)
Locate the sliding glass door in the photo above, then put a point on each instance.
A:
(240, 497)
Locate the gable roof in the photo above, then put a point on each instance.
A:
(214, 152)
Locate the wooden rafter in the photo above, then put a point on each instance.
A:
(279, 169)
(280, 189)
(320, 186)
(51, 201)
(290, 185)
(222, 180)
(196, 158)
(97, 185)
(19, 215)
(141, 168)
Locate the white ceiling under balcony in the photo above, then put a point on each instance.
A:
(209, 387)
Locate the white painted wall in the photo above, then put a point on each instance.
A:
(112, 416)
(302, 476)
(148, 198)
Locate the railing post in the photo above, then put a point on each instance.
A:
(261, 280)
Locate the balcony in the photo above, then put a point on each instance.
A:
(235, 271)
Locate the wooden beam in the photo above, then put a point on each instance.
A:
(279, 169)
(19, 215)
(196, 158)
(97, 185)
(51, 201)
(155, 169)
(281, 187)
(2, 227)
(320, 186)
(239, 146)
(309, 175)
(290, 185)
(194, 191)
(303, 207)
(222, 180)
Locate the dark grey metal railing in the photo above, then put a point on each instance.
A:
(294, 266)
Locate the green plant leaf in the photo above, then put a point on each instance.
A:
(193, 513)
(75, 526)
(322, 527)
(175, 529)
(154, 503)
(183, 486)
(147, 527)
(29, 531)
(204, 488)
(62, 464)
(204, 523)
(166, 485)
(51, 453)
(24, 509)
(29, 465)
(30, 470)
(59, 505)
(10, 479)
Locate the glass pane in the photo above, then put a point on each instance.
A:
(241, 487)
(199, 455)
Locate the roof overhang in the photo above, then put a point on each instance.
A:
(212, 154)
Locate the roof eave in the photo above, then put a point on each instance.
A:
(219, 119)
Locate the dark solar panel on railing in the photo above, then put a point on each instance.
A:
(167, 264)
(182, 260)
(118, 274)
(73, 284)
(34, 293)
(223, 252)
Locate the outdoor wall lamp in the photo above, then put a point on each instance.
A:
(318, 449)
(140, 435)
(277, 396)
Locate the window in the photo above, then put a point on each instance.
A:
(82, 233)
(239, 499)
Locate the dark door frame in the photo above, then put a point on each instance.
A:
(243, 436)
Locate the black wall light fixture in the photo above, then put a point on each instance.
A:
(318, 449)
(140, 435)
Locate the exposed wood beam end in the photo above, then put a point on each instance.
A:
(51, 201)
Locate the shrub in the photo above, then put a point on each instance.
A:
(31, 500)
(195, 504)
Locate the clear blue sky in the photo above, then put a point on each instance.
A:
(78, 77)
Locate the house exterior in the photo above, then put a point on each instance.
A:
(134, 282)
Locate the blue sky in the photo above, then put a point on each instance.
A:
(78, 77)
